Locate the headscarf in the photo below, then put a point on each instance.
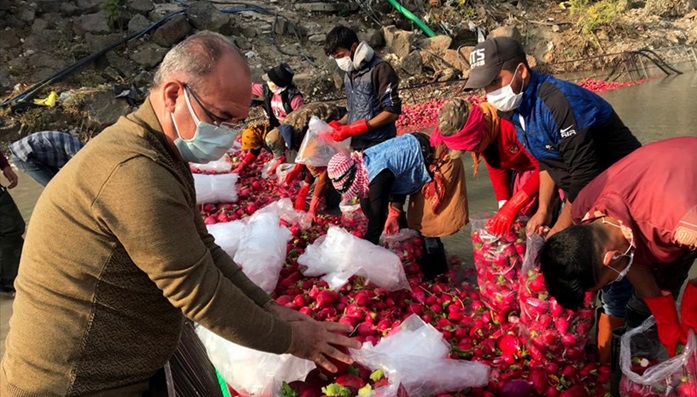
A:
(348, 175)
(253, 136)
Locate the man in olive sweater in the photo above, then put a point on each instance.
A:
(117, 254)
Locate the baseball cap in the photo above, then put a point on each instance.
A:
(487, 58)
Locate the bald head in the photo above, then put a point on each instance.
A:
(197, 57)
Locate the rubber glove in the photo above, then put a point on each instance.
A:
(314, 206)
(301, 198)
(392, 222)
(345, 131)
(248, 159)
(501, 223)
(688, 308)
(275, 165)
(670, 332)
(335, 124)
(294, 173)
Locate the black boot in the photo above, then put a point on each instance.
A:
(433, 261)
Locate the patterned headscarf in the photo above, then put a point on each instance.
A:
(253, 136)
(348, 175)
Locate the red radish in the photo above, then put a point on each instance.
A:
(516, 388)
(352, 382)
(326, 298)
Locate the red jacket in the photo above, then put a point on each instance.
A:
(506, 154)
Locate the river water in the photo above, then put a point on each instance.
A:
(655, 110)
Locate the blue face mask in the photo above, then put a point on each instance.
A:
(210, 142)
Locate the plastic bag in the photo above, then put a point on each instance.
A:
(288, 214)
(554, 332)
(283, 170)
(262, 249)
(317, 147)
(417, 356)
(215, 188)
(351, 214)
(340, 255)
(221, 166)
(228, 235)
(251, 372)
(647, 370)
(498, 261)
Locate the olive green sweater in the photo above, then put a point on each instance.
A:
(116, 255)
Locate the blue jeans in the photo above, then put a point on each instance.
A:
(615, 297)
(36, 170)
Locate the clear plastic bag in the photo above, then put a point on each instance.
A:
(498, 261)
(228, 235)
(552, 331)
(317, 147)
(285, 210)
(262, 249)
(251, 372)
(416, 355)
(215, 188)
(221, 166)
(351, 214)
(395, 241)
(340, 255)
(283, 170)
(676, 376)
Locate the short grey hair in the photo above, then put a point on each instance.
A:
(196, 57)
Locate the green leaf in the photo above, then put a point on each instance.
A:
(377, 375)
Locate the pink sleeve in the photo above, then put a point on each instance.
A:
(297, 101)
(257, 89)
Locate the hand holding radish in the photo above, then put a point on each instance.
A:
(320, 342)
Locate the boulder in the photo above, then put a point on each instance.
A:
(103, 109)
(88, 6)
(203, 15)
(317, 38)
(172, 31)
(397, 41)
(412, 64)
(92, 23)
(243, 43)
(69, 9)
(373, 37)
(9, 38)
(138, 23)
(437, 44)
(149, 54)
(140, 6)
(121, 63)
(39, 25)
(26, 14)
(45, 6)
(43, 40)
(98, 42)
(507, 31)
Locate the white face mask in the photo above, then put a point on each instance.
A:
(274, 88)
(345, 64)
(630, 255)
(504, 99)
(210, 142)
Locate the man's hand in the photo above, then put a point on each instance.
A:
(357, 128)
(317, 341)
(286, 314)
(670, 332)
(539, 222)
(11, 176)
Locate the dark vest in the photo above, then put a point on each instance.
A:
(363, 103)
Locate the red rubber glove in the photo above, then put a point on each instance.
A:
(245, 162)
(392, 222)
(501, 223)
(688, 307)
(335, 124)
(275, 165)
(301, 198)
(314, 205)
(294, 173)
(356, 128)
(670, 331)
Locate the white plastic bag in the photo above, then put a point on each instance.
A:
(663, 379)
(228, 235)
(262, 249)
(283, 170)
(285, 210)
(390, 241)
(317, 147)
(417, 357)
(220, 166)
(215, 188)
(251, 372)
(341, 255)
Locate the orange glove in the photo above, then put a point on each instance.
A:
(501, 223)
(392, 222)
(248, 159)
(275, 165)
(345, 131)
(670, 332)
(294, 173)
(301, 198)
(688, 307)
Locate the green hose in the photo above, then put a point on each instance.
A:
(223, 384)
(412, 17)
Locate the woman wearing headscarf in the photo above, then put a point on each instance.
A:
(383, 175)
(463, 126)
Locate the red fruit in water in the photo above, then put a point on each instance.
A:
(353, 382)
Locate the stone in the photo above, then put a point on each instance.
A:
(112, 74)
(556, 28)
(507, 31)
(203, 15)
(243, 43)
(140, 6)
(43, 60)
(88, 6)
(9, 38)
(69, 9)
(98, 42)
(532, 62)
(249, 32)
(27, 14)
(162, 9)
(373, 37)
(446, 74)
(46, 6)
(121, 63)
(103, 109)
(137, 23)
(452, 60)
(43, 40)
(317, 38)
(149, 55)
(412, 64)
(172, 31)
(92, 23)
(143, 80)
(281, 26)
(398, 41)
(437, 44)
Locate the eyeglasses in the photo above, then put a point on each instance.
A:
(216, 120)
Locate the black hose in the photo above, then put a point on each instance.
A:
(657, 60)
